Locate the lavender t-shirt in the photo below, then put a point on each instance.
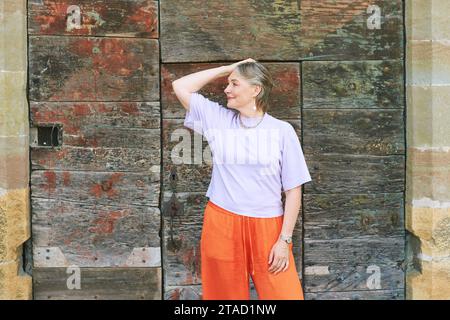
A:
(251, 167)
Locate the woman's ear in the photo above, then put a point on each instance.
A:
(257, 90)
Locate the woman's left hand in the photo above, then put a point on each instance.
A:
(279, 257)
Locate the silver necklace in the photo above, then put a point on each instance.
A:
(250, 127)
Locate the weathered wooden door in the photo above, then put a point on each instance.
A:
(95, 153)
(339, 67)
(111, 158)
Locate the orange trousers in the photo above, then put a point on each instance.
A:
(234, 246)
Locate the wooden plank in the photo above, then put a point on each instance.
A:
(94, 235)
(123, 136)
(354, 147)
(357, 295)
(284, 99)
(341, 30)
(353, 84)
(190, 158)
(96, 159)
(356, 132)
(108, 188)
(194, 292)
(337, 216)
(194, 30)
(355, 174)
(75, 116)
(100, 132)
(97, 284)
(93, 69)
(181, 239)
(345, 264)
(292, 30)
(137, 18)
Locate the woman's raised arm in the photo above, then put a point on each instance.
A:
(184, 86)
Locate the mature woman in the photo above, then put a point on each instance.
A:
(256, 157)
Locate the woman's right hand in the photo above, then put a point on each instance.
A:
(231, 67)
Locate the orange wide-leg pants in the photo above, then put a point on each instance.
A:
(234, 247)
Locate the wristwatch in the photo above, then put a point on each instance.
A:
(287, 239)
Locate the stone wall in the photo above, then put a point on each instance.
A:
(428, 145)
(14, 159)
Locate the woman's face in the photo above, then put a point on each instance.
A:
(239, 92)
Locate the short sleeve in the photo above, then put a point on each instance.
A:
(294, 171)
(204, 114)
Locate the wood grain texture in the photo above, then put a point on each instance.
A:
(198, 31)
(122, 136)
(353, 216)
(355, 174)
(74, 116)
(108, 188)
(357, 295)
(194, 292)
(353, 84)
(344, 263)
(353, 133)
(97, 159)
(93, 69)
(339, 30)
(95, 198)
(93, 235)
(137, 18)
(181, 239)
(356, 132)
(98, 284)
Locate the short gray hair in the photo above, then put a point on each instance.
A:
(257, 74)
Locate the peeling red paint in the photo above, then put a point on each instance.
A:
(191, 260)
(82, 141)
(130, 108)
(71, 236)
(110, 55)
(175, 294)
(106, 187)
(50, 176)
(53, 17)
(81, 110)
(103, 108)
(82, 47)
(62, 154)
(290, 79)
(96, 17)
(66, 178)
(144, 15)
(106, 222)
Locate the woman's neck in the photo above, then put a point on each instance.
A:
(254, 115)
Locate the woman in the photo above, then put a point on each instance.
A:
(256, 157)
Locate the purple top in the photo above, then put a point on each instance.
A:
(251, 167)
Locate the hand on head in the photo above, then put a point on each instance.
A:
(234, 65)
